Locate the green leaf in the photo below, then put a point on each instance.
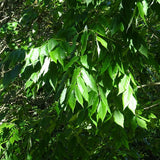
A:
(43, 50)
(34, 55)
(158, 1)
(105, 64)
(152, 116)
(43, 53)
(102, 41)
(10, 76)
(15, 57)
(63, 95)
(58, 54)
(28, 84)
(126, 97)
(104, 99)
(88, 2)
(116, 25)
(84, 61)
(124, 83)
(76, 73)
(102, 110)
(94, 106)
(118, 118)
(133, 123)
(82, 87)
(72, 101)
(54, 55)
(52, 43)
(141, 123)
(89, 80)
(51, 82)
(93, 102)
(145, 6)
(34, 77)
(113, 71)
(78, 96)
(133, 103)
(45, 67)
(71, 62)
(121, 27)
(143, 50)
(99, 28)
(132, 79)
(141, 11)
(84, 39)
(92, 96)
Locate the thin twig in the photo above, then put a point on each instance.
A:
(151, 106)
(4, 19)
(148, 85)
(3, 49)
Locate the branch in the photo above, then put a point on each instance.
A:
(148, 85)
(152, 106)
(3, 49)
(4, 19)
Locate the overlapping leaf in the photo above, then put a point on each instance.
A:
(89, 80)
(82, 87)
(124, 83)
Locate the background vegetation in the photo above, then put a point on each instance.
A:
(79, 79)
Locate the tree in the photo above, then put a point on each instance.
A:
(79, 79)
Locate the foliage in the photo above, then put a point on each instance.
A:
(79, 79)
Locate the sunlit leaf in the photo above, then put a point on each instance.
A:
(133, 103)
(104, 99)
(141, 11)
(88, 2)
(63, 95)
(82, 87)
(72, 101)
(124, 83)
(145, 6)
(52, 43)
(102, 41)
(84, 61)
(45, 67)
(152, 116)
(28, 84)
(101, 110)
(34, 77)
(33, 55)
(78, 95)
(126, 97)
(58, 54)
(118, 118)
(75, 75)
(141, 123)
(89, 80)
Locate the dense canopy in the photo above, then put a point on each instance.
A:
(79, 79)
